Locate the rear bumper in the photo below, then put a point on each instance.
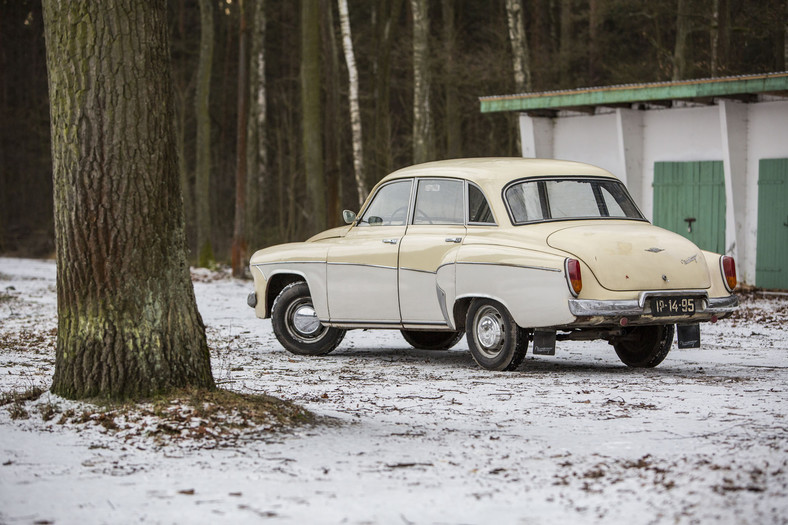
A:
(605, 311)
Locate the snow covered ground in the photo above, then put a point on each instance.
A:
(422, 437)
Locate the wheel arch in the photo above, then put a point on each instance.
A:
(276, 283)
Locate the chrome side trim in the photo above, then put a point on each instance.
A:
(257, 265)
(365, 265)
(419, 271)
(512, 266)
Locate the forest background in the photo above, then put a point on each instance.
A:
(265, 90)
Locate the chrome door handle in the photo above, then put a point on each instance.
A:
(390, 241)
(454, 239)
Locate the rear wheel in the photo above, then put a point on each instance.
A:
(296, 325)
(495, 340)
(431, 340)
(644, 346)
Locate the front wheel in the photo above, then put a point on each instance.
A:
(431, 340)
(296, 325)
(495, 340)
(644, 346)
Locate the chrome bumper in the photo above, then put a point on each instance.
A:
(640, 306)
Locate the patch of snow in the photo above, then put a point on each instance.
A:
(423, 437)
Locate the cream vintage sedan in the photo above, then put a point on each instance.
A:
(507, 251)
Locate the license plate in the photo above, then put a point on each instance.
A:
(665, 306)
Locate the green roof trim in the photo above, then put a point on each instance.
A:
(767, 83)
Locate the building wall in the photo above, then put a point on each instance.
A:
(629, 142)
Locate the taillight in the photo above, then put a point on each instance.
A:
(728, 267)
(573, 277)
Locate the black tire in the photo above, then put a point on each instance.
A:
(495, 340)
(644, 346)
(296, 325)
(431, 340)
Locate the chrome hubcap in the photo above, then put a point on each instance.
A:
(489, 331)
(305, 320)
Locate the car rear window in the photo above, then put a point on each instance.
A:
(569, 198)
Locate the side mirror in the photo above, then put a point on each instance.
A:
(375, 220)
(348, 216)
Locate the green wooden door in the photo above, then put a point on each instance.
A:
(771, 268)
(689, 199)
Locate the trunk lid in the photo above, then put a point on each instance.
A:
(635, 256)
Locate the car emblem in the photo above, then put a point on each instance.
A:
(655, 250)
(689, 259)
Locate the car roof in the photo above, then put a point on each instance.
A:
(495, 172)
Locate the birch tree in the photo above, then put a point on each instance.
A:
(422, 118)
(355, 110)
(128, 324)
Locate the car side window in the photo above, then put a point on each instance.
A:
(390, 205)
(478, 208)
(439, 201)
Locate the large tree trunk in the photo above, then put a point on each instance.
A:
(128, 323)
(332, 112)
(312, 136)
(388, 12)
(257, 150)
(355, 110)
(522, 68)
(422, 117)
(453, 111)
(202, 176)
(238, 256)
(682, 32)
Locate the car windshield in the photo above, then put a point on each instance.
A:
(569, 198)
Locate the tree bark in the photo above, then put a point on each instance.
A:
(680, 49)
(453, 111)
(594, 8)
(335, 142)
(422, 117)
(312, 136)
(202, 176)
(517, 37)
(355, 110)
(565, 47)
(257, 152)
(238, 257)
(389, 11)
(128, 324)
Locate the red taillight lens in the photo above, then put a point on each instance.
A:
(728, 271)
(573, 277)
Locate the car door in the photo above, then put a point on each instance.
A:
(428, 251)
(362, 267)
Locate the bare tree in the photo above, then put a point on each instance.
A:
(202, 181)
(355, 110)
(517, 37)
(682, 32)
(128, 323)
(238, 256)
(312, 136)
(422, 117)
(257, 150)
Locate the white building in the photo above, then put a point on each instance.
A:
(705, 158)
